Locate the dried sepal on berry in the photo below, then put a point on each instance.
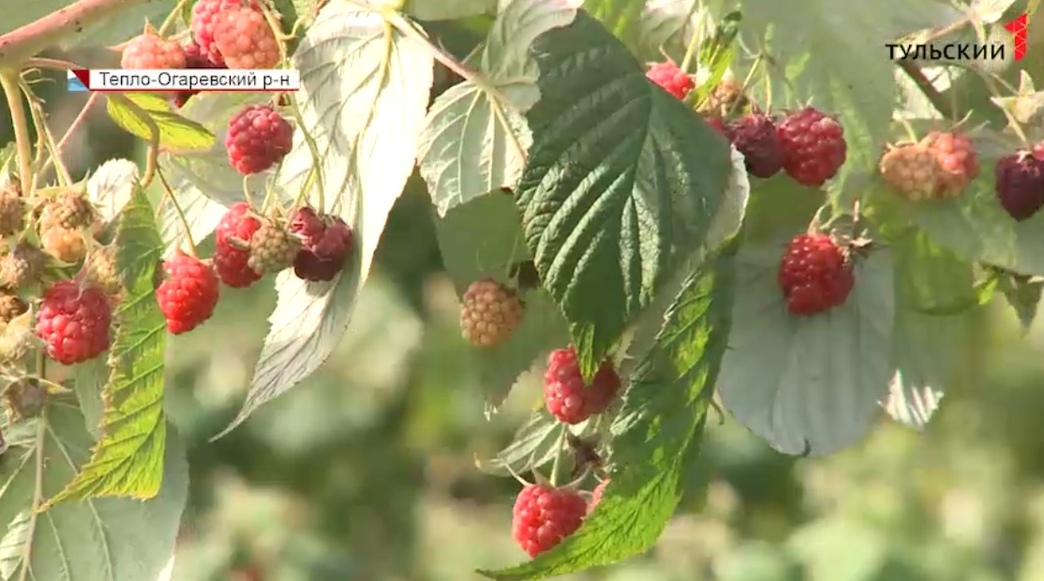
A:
(489, 313)
(17, 338)
(24, 398)
(12, 209)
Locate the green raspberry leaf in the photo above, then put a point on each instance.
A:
(128, 459)
(476, 138)
(112, 539)
(483, 239)
(621, 17)
(808, 385)
(448, 9)
(1023, 293)
(134, 112)
(622, 183)
(656, 436)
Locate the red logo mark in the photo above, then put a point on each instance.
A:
(1018, 28)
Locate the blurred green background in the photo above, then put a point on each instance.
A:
(366, 471)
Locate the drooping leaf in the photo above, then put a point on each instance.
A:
(534, 445)
(622, 183)
(1023, 293)
(476, 138)
(808, 385)
(833, 55)
(175, 131)
(350, 60)
(448, 9)
(128, 459)
(111, 186)
(657, 434)
(114, 539)
(482, 239)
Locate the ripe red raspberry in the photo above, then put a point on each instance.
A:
(12, 210)
(543, 516)
(204, 18)
(245, 40)
(1019, 184)
(149, 51)
(489, 313)
(232, 246)
(326, 243)
(716, 122)
(958, 161)
(565, 394)
(195, 58)
(672, 79)
(814, 146)
(913, 171)
(74, 322)
(755, 137)
(815, 274)
(189, 295)
(596, 495)
(258, 137)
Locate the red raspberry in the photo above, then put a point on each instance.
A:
(596, 495)
(958, 161)
(195, 58)
(326, 243)
(543, 516)
(715, 122)
(245, 40)
(1020, 184)
(189, 295)
(149, 51)
(232, 246)
(814, 146)
(815, 274)
(204, 18)
(258, 137)
(755, 137)
(671, 79)
(74, 322)
(565, 394)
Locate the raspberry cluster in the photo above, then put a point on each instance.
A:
(543, 515)
(815, 274)
(568, 397)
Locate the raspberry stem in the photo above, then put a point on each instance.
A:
(68, 133)
(690, 50)
(186, 230)
(560, 450)
(46, 141)
(10, 80)
(41, 433)
(154, 134)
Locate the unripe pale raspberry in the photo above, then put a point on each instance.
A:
(12, 210)
(189, 294)
(64, 244)
(70, 210)
(755, 137)
(74, 322)
(814, 274)
(1019, 184)
(326, 243)
(16, 340)
(814, 146)
(204, 18)
(542, 516)
(11, 306)
(565, 394)
(272, 248)
(258, 137)
(232, 246)
(149, 51)
(489, 313)
(102, 271)
(725, 98)
(22, 267)
(24, 399)
(671, 79)
(913, 171)
(957, 159)
(245, 40)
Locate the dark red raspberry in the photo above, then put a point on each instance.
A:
(596, 495)
(1020, 184)
(543, 516)
(755, 137)
(245, 40)
(190, 293)
(565, 394)
(149, 51)
(232, 246)
(195, 58)
(204, 18)
(815, 274)
(326, 243)
(258, 137)
(814, 146)
(74, 322)
(672, 79)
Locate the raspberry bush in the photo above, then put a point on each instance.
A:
(647, 213)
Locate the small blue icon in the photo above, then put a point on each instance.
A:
(73, 83)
